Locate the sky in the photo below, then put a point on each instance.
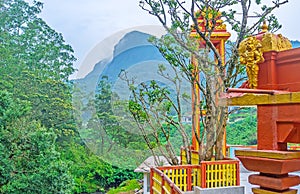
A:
(85, 23)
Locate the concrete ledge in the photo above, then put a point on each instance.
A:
(188, 192)
(220, 190)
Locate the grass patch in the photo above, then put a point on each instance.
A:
(126, 186)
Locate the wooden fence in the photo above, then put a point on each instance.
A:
(209, 174)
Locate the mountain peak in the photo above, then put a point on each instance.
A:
(131, 40)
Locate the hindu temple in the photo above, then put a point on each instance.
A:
(273, 85)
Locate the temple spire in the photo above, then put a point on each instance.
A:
(264, 27)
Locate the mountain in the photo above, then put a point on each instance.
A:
(132, 50)
(295, 43)
(138, 57)
(131, 40)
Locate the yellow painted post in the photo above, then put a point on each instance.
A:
(208, 172)
(227, 173)
(195, 106)
(223, 176)
(183, 178)
(199, 177)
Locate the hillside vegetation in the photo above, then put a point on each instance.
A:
(40, 148)
(242, 127)
(43, 148)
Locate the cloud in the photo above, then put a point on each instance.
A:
(288, 15)
(85, 23)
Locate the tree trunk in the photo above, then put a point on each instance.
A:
(211, 122)
(221, 130)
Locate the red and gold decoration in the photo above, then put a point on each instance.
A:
(275, 90)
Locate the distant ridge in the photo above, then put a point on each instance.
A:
(132, 49)
(131, 40)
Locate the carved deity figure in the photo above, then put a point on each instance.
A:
(250, 55)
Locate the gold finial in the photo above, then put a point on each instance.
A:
(264, 27)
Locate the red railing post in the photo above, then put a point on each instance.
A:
(172, 188)
(237, 173)
(151, 181)
(189, 179)
(203, 175)
(162, 183)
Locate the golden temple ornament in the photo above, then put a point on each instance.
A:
(273, 42)
(250, 55)
(252, 48)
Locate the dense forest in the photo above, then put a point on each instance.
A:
(41, 150)
(241, 127)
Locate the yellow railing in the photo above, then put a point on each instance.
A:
(194, 157)
(156, 182)
(209, 174)
(162, 184)
(184, 177)
(221, 173)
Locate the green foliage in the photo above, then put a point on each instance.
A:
(31, 163)
(35, 101)
(36, 111)
(241, 129)
(28, 157)
(273, 23)
(11, 109)
(107, 104)
(137, 110)
(31, 44)
(155, 109)
(85, 166)
(126, 186)
(35, 63)
(92, 174)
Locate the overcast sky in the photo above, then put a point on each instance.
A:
(85, 23)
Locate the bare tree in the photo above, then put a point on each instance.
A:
(180, 19)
